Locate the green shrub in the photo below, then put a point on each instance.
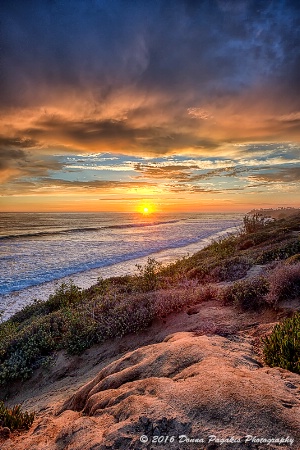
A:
(282, 347)
(248, 294)
(65, 295)
(179, 267)
(26, 350)
(81, 333)
(200, 272)
(224, 246)
(125, 314)
(8, 331)
(36, 308)
(15, 418)
(230, 269)
(167, 301)
(276, 254)
(148, 276)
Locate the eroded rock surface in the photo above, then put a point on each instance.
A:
(187, 385)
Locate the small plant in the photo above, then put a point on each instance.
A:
(8, 332)
(148, 277)
(229, 269)
(65, 295)
(224, 246)
(282, 347)
(81, 332)
(37, 308)
(103, 286)
(15, 418)
(248, 294)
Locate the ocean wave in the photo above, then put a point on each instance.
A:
(86, 229)
(56, 274)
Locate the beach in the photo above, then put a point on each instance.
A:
(41, 251)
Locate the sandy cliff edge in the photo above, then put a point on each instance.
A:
(203, 380)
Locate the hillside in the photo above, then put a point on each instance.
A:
(174, 351)
(277, 213)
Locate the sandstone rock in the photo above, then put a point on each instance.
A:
(189, 391)
(193, 386)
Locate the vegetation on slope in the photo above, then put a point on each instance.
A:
(282, 347)
(74, 319)
(15, 418)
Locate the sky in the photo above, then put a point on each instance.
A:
(117, 105)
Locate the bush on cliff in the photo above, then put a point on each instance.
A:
(282, 347)
(248, 294)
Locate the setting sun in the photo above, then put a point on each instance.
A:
(146, 208)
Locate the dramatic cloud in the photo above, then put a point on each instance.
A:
(46, 185)
(211, 86)
(288, 175)
(15, 163)
(16, 142)
(187, 173)
(176, 171)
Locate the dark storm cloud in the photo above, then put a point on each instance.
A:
(17, 159)
(211, 48)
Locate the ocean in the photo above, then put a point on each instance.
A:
(38, 251)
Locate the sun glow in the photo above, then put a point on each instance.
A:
(146, 209)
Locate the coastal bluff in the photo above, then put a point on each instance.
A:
(175, 359)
